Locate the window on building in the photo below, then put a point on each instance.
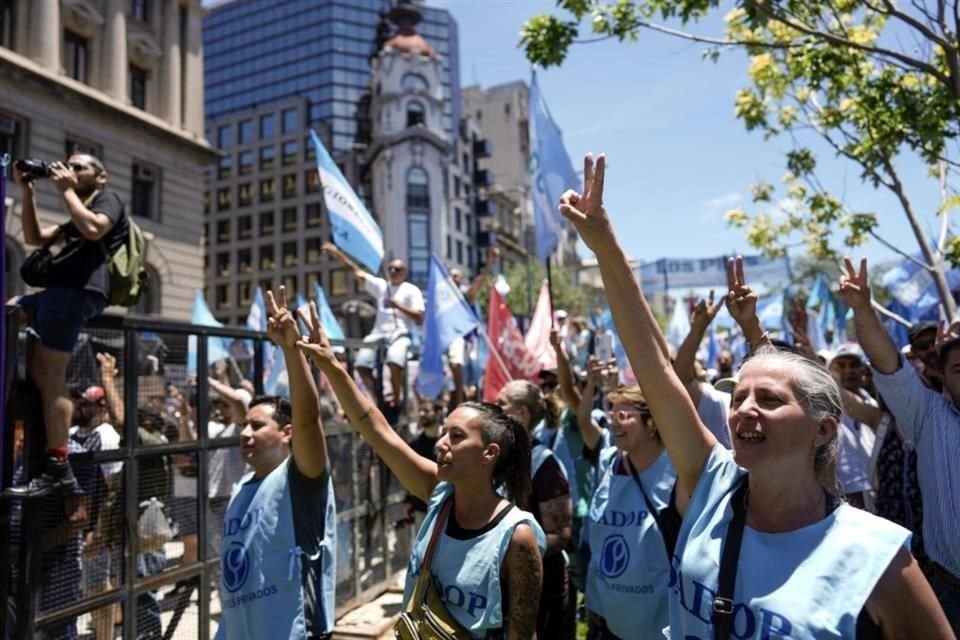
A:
(266, 223)
(224, 201)
(7, 23)
(309, 153)
(290, 186)
(418, 189)
(290, 254)
(244, 194)
(468, 224)
(145, 191)
(338, 282)
(313, 279)
(289, 217)
(223, 296)
(244, 293)
(290, 121)
(414, 82)
(223, 264)
(415, 113)
(245, 131)
(137, 83)
(311, 181)
(74, 145)
(290, 282)
(418, 245)
(267, 155)
(266, 284)
(244, 227)
(223, 231)
(225, 136)
(456, 186)
(75, 59)
(506, 109)
(11, 135)
(224, 167)
(314, 250)
(313, 215)
(140, 9)
(457, 219)
(449, 248)
(268, 126)
(244, 261)
(206, 203)
(289, 153)
(267, 190)
(266, 256)
(244, 163)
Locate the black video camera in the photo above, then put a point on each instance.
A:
(32, 169)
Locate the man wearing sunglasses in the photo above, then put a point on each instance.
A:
(77, 291)
(400, 310)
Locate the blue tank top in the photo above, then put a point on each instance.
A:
(807, 584)
(628, 575)
(467, 572)
(566, 442)
(261, 585)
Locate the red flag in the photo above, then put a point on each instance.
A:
(509, 358)
(538, 335)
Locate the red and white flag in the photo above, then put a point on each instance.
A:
(538, 335)
(509, 357)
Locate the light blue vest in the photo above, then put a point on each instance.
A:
(467, 572)
(559, 441)
(808, 584)
(261, 589)
(628, 575)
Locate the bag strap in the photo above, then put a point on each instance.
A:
(421, 585)
(729, 559)
(652, 509)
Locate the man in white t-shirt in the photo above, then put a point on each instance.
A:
(400, 310)
(856, 439)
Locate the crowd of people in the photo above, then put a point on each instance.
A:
(791, 495)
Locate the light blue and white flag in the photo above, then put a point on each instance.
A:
(819, 294)
(327, 320)
(353, 228)
(217, 348)
(679, 326)
(448, 317)
(257, 316)
(276, 380)
(913, 287)
(551, 172)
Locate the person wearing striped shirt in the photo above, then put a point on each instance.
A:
(930, 422)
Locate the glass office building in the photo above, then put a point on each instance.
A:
(260, 51)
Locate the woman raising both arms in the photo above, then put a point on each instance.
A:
(766, 550)
(487, 562)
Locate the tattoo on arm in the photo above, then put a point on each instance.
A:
(556, 516)
(524, 573)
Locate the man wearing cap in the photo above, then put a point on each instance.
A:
(930, 422)
(923, 346)
(856, 439)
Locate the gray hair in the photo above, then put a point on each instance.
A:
(820, 397)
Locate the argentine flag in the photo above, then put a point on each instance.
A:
(448, 317)
(354, 229)
(217, 348)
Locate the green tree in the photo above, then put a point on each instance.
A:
(874, 79)
(567, 294)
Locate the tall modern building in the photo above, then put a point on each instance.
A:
(259, 51)
(123, 80)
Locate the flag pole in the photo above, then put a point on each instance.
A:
(493, 351)
(550, 292)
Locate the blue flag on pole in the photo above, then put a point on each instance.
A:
(448, 317)
(913, 287)
(551, 172)
(217, 348)
(819, 294)
(679, 326)
(353, 228)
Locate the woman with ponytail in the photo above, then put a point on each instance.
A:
(488, 556)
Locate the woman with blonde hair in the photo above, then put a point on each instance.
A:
(765, 549)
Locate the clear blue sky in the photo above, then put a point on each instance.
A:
(678, 158)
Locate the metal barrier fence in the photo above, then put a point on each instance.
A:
(75, 568)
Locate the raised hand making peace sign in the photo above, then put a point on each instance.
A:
(316, 347)
(585, 210)
(281, 326)
(705, 311)
(741, 299)
(854, 286)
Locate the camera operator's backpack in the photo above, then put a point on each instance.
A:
(128, 275)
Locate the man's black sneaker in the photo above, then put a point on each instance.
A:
(57, 477)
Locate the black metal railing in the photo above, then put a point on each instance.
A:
(80, 562)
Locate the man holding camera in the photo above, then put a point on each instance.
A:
(77, 290)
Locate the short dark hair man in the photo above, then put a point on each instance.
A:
(278, 567)
(923, 346)
(78, 291)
